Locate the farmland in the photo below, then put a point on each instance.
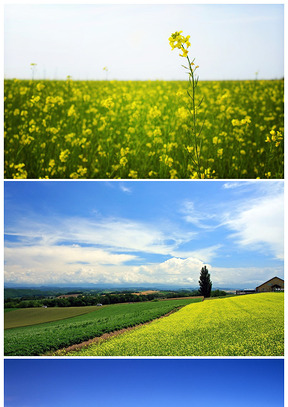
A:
(251, 325)
(34, 316)
(44, 337)
(113, 129)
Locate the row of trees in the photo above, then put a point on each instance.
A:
(205, 287)
(86, 300)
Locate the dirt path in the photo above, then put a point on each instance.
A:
(78, 346)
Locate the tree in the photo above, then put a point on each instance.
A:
(205, 282)
(218, 293)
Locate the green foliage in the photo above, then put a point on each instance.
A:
(25, 292)
(38, 339)
(218, 293)
(89, 298)
(205, 283)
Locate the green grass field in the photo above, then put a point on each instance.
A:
(251, 325)
(38, 339)
(113, 129)
(34, 316)
(9, 310)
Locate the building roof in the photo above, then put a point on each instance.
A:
(270, 280)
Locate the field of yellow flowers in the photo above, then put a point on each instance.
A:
(114, 129)
(251, 325)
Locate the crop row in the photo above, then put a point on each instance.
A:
(34, 316)
(38, 339)
(236, 326)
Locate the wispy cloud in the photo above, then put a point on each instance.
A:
(244, 277)
(93, 248)
(257, 187)
(114, 233)
(53, 265)
(234, 184)
(206, 254)
(124, 188)
(200, 219)
(55, 269)
(259, 225)
(255, 213)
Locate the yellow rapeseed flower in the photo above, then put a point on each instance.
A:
(179, 41)
(40, 86)
(64, 155)
(71, 111)
(133, 174)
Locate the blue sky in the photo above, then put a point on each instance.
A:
(143, 232)
(229, 41)
(124, 382)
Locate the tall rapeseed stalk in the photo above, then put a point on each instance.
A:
(177, 40)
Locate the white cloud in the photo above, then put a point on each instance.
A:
(258, 187)
(48, 264)
(97, 250)
(119, 234)
(80, 251)
(173, 271)
(124, 188)
(255, 212)
(65, 265)
(72, 265)
(39, 255)
(243, 277)
(259, 225)
(206, 254)
(197, 218)
(235, 184)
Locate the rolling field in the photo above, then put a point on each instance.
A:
(113, 129)
(38, 339)
(33, 316)
(251, 325)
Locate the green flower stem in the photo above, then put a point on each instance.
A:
(193, 83)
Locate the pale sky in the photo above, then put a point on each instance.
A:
(228, 41)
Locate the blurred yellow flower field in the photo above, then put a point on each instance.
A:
(141, 129)
(250, 325)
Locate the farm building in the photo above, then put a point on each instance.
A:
(274, 284)
(245, 291)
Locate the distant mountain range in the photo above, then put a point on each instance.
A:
(119, 287)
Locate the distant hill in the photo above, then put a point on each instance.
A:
(53, 291)
(38, 292)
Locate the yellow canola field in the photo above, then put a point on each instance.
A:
(114, 129)
(251, 325)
